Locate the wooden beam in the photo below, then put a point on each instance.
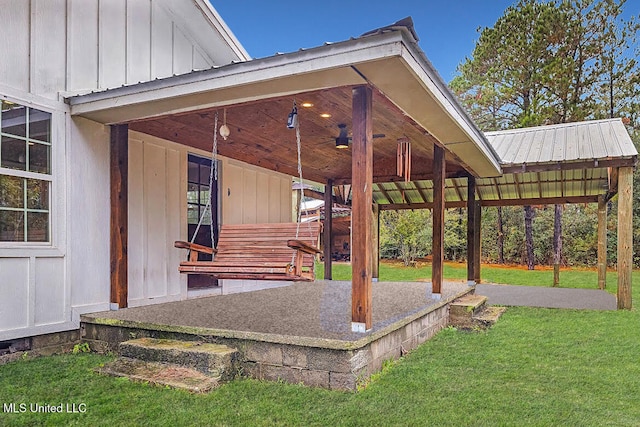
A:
(504, 202)
(542, 201)
(602, 242)
(471, 201)
(327, 232)
(394, 178)
(375, 243)
(119, 165)
(625, 236)
(362, 186)
(589, 164)
(439, 170)
(477, 246)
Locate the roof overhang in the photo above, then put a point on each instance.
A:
(391, 62)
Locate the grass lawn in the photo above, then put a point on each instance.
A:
(539, 367)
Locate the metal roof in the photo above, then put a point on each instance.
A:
(566, 163)
(568, 142)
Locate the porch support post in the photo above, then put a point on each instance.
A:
(625, 236)
(362, 183)
(375, 244)
(471, 201)
(327, 232)
(119, 165)
(477, 245)
(439, 170)
(602, 242)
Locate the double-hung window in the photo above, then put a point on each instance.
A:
(25, 173)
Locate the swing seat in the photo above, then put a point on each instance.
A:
(257, 252)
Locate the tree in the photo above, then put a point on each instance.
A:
(551, 62)
(405, 234)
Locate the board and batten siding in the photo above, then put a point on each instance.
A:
(158, 209)
(50, 47)
(253, 195)
(157, 218)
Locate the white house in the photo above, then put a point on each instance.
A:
(54, 168)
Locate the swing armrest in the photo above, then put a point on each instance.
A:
(194, 249)
(302, 246)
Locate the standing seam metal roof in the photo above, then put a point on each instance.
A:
(591, 140)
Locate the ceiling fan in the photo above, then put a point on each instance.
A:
(343, 139)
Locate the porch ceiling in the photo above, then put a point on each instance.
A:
(259, 136)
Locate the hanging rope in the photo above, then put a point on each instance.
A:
(293, 120)
(213, 172)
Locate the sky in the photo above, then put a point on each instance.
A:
(447, 28)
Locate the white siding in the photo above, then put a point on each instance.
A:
(14, 43)
(50, 293)
(52, 46)
(157, 212)
(89, 216)
(14, 293)
(251, 194)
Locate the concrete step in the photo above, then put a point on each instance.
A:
(161, 374)
(488, 316)
(213, 360)
(462, 310)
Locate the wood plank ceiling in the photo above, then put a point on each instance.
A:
(259, 136)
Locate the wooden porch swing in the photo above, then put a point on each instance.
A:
(256, 251)
(272, 251)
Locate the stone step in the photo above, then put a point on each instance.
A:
(462, 310)
(488, 316)
(213, 360)
(161, 374)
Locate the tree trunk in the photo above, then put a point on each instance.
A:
(529, 213)
(500, 237)
(557, 244)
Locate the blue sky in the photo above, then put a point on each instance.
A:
(446, 28)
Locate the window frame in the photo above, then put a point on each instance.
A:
(55, 177)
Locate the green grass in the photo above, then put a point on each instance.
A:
(537, 367)
(542, 276)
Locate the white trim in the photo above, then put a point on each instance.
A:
(218, 23)
(9, 93)
(79, 310)
(38, 330)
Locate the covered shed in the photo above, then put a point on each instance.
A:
(582, 162)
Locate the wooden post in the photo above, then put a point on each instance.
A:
(439, 170)
(625, 236)
(477, 246)
(602, 242)
(327, 232)
(471, 201)
(375, 243)
(362, 183)
(119, 165)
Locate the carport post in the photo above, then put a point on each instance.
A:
(327, 232)
(471, 200)
(625, 236)
(602, 242)
(439, 170)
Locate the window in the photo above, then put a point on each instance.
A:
(198, 196)
(25, 173)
